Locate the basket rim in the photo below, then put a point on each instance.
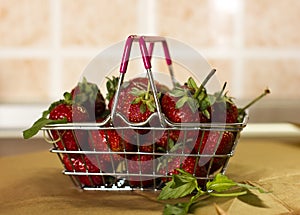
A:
(174, 126)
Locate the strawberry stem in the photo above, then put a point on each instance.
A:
(267, 91)
(198, 91)
(148, 90)
(222, 91)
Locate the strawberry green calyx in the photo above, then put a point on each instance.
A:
(67, 100)
(87, 92)
(146, 99)
(111, 86)
(199, 97)
(185, 97)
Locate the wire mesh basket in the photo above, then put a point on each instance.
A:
(147, 156)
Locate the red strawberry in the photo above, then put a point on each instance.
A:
(176, 113)
(224, 109)
(126, 94)
(80, 163)
(112, 85)
(108, 140)
(165, 140)
(88, 95)
(62, 111)
(170, 164)
(138, 165)
(136, 103)
(213, 142)
(68, 139)
(147, 147)
(186, 104)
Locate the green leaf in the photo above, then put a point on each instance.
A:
(151, 105)
(137, 92)
(220, 183)
(177, 209)
(250, 187)
(193, 104)
(181, 102)
(231, 194)
(143, 107)
(192, 84)
(41, 122)
(181, 185)
(177, 92)
(136, 100)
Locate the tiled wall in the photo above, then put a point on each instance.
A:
(45, 44)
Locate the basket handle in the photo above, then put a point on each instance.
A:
(147, 64)
(146, 55)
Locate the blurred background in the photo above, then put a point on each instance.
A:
(46, 44)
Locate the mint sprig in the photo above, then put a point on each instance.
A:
(43, 120)
(184, 184)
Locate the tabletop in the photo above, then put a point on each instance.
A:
(32, 183)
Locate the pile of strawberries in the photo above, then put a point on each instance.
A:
(148, 156)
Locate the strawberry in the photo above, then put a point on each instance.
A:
(126, 94)
(223, 108)
(141, 164)
(62, 111)
(112, 85)
(108, 140)
(88, 95)
(174, 111)
(136, 105)
(68, 139)
(81, 163)
(213, 142)
(165, 140)
(187, 103)
(169, 164)
(146, 146)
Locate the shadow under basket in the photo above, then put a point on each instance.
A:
(103, 157)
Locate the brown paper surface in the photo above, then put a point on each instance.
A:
(33, 184)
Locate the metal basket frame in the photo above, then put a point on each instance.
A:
(117, 179)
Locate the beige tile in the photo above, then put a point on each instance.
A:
(270, 23)
(197, 22)
(224, 73)
(95, 23)
(72, 72)
(281, 76)
(24, 23)
(24, 81)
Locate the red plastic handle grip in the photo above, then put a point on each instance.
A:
(144, 51)
(145, 54)
(126, 54)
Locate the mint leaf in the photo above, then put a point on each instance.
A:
(184, 184)
(181, 102)
(41, 122)
(250, 187)
(180, 186)
(220, 183)
(177, 209)
(192, 84)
